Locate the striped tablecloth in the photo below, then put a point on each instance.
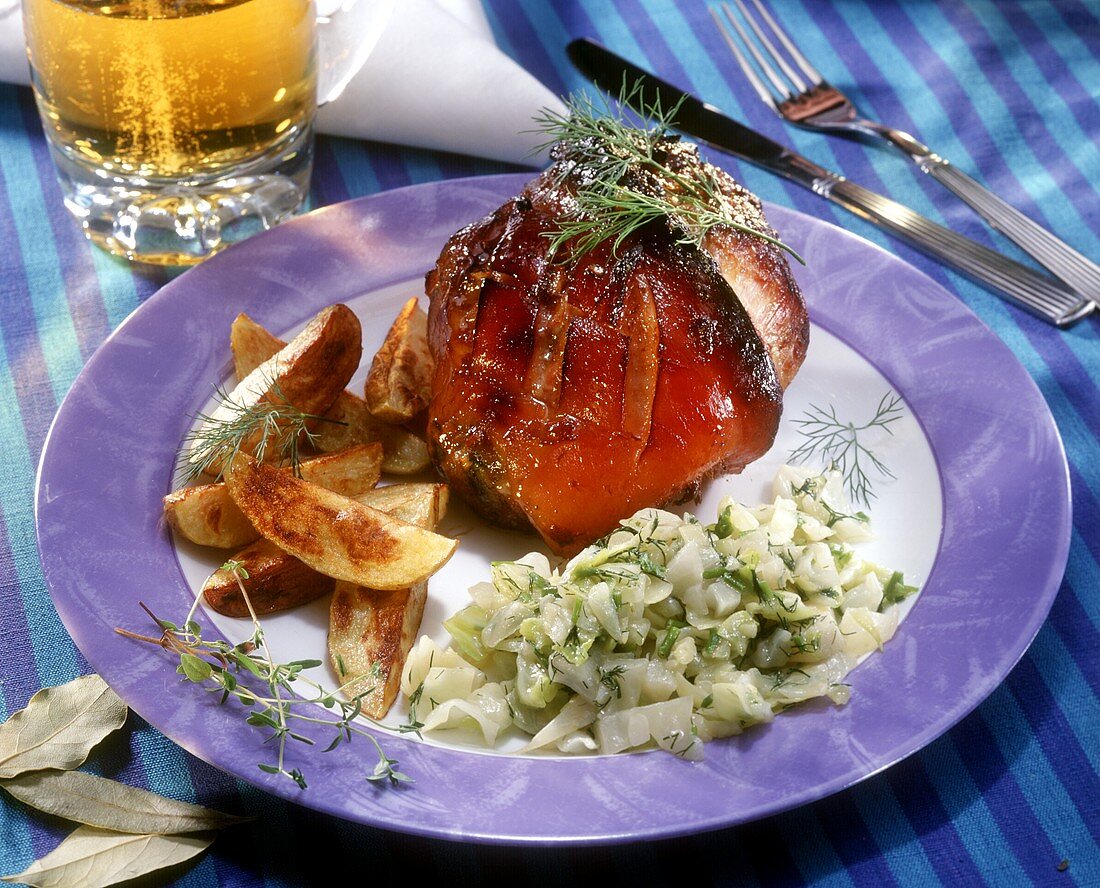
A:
(1008, 91)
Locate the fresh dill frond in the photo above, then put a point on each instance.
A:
(830, 438)
(254, 428)
(623, 171)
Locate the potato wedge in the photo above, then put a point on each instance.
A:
(333, 534)
(405, 453)
(308, 373)
(251, 345)
(421, 503)
(207, 515)
(399, 384)
(277, 581)
(371, 632)
(370, 635)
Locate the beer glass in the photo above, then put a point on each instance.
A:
(178, 127)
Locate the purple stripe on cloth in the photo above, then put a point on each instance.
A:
(811, 849)
(18, 327)
(390, 167)
(18, 684)
(81, 286)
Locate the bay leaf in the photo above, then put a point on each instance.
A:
(108, 804)
(95, 858)
(59, 726)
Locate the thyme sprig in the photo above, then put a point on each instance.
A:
(273, 422)
(826, 436)
(269, 691)
(621, 164)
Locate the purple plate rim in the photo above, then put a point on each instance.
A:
(914, 332)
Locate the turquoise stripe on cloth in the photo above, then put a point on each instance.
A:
(1011, 796)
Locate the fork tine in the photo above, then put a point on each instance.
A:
(809, 70)
(761, 89)
(783, 89)
(777, 57)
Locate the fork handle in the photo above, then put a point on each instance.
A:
(1034, 292)
(1048, 250)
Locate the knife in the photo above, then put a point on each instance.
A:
(1027, 288)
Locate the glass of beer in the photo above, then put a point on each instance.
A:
(178, 126)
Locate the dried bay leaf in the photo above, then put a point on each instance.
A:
(108, 804)
(59, 726)
(96, 858)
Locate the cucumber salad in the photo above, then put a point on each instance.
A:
(668, 632)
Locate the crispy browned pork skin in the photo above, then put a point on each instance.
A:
(570, 392)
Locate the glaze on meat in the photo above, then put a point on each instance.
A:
(571, 392)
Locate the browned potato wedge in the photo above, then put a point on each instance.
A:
(333, 534)
(421, 503)
(370, 635)
(399, 383)
(371, 632)
(406, 454)
(251, 345)
(278, 581)
(207, 515)
(309, 372)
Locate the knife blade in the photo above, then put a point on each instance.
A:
(1027, 288)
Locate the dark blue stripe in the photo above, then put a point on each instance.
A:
(814, 854)
(1054, 149)
(966, 116)
(530, 51)
(1060, 76)
(932, 823)
(1050, 728)
(1086, 508)
(327, 185)
(1080, 16)
(1012, 812)
(853, 842)
(767, 853)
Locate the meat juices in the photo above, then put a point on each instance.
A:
(570, 392)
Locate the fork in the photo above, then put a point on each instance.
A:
(815, 104)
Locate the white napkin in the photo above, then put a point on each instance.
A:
(435, 79)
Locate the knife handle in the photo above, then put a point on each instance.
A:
(1032, 291)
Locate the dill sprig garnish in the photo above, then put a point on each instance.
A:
(829, 437)
(255, 428)
(624, 178)
(268, 690)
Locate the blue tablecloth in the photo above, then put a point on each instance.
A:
(1008, 91)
